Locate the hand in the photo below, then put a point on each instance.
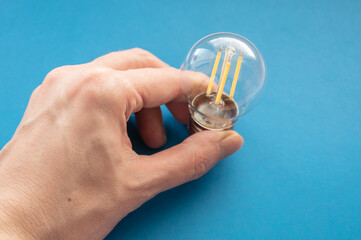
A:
(69, 172)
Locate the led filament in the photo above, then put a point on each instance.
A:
(229, 52)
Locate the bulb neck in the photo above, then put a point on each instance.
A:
(194, 127)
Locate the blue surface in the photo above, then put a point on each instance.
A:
(298, 175)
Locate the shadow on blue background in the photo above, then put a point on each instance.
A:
(298, 173)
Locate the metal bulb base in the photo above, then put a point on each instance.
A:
(194, 127)
(219, 117)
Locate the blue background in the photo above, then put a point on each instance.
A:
(298, 175)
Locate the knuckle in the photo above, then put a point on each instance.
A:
(91, 86)
(147, 56)
(99, 87)
(141, 51)
(94, 75)
(35, 92)
(57, 73)
(201, 164)
(133, 99)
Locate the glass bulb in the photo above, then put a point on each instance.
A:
(231, 82)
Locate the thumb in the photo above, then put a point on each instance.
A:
(191, 159)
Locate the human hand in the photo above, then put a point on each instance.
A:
(69, 172)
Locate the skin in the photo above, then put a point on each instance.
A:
(69, 172)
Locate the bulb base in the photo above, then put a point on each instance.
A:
(194, 127)
(219, 117)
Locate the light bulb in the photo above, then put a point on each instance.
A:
(233, 78)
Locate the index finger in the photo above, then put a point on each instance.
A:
(129, 59)
(159, 86)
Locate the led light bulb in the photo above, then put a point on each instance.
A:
(231, 82)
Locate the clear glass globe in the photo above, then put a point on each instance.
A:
(231, 82)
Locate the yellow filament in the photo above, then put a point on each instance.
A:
(225, 61)
(214, 71)
(235, 78)
(222, 83)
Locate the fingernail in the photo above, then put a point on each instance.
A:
(230, 142)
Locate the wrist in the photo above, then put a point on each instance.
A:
(13, 220)
(20, 215)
